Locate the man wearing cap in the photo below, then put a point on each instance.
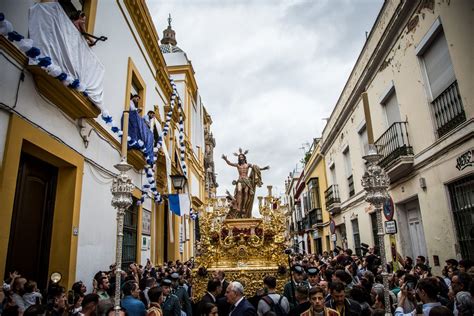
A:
(313, 277)
(181, 294)
(290, 287)
(170, 305)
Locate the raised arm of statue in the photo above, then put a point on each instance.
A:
(265, 168)
(228, 162)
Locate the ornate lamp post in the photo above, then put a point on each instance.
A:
(122, 188)
(375, 182)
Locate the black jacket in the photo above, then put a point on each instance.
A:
(351, 307)
(244, 309)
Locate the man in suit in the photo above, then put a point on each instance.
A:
(240, 306)
(213, 289)
(220, 275)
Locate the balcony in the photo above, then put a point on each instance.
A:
(397, 154)
(448, 110)
(315, 217)
(301, 226)
(70, 101)
(333, 199)
(306, 223)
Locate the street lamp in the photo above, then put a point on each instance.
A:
(179, 181)
(122, 188)
(375, 182)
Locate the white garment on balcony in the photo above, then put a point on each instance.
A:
(56, 36)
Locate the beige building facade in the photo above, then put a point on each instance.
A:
(416, 73)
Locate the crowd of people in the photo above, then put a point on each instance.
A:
(326, 284)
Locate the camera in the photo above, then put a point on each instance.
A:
(288, 251)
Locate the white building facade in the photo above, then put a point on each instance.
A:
(57, 152)
(409, 93)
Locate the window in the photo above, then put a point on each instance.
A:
(364, 140)
(461, 195)
(129, 243)
(332, 170)
(305, 203)
(355, 233)
(391, 108)
(135, 85)
(348, 167)
(89, 7)
(441, 83)
(313, 187)
(437, 65)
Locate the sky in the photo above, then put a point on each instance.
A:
(268, 72)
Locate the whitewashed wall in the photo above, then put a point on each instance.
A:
(97, 226)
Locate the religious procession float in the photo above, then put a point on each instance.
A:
(245, 248)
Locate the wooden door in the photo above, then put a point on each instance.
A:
(32, 220)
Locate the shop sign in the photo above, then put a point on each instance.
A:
(315, 234)
(465, 160)
(334, 237)
(391, 227)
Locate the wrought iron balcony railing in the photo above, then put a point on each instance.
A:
(394, 143)
(448, 109)
(332, 196)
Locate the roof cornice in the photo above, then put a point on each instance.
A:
(367, 64)
(143, 22)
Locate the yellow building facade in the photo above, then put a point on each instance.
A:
(314, 177)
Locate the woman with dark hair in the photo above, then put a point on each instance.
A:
(209, 309)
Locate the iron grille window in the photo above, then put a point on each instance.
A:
(315, 200)
(350, 183)
(355, 233)
(332, 195)
(461, 194)
(448, 109)
(129, 243)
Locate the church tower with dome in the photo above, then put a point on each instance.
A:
(182, 72)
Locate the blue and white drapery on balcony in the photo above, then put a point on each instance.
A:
(53, 32)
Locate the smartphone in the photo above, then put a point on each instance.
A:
(410, 286)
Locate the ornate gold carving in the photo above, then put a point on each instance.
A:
(246, 249)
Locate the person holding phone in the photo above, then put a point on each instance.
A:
(406, 297)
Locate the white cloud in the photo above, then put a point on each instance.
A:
(268, 71)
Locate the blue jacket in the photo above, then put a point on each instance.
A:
(244, 309)
(133, 306)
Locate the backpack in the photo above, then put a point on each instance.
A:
(276, 308)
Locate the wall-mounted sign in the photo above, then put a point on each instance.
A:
(388, 209)
(334, 237)
(315, 234)
(465, 160)
(391, 227)
(146, 222)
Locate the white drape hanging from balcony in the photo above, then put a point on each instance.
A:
(54, 33)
